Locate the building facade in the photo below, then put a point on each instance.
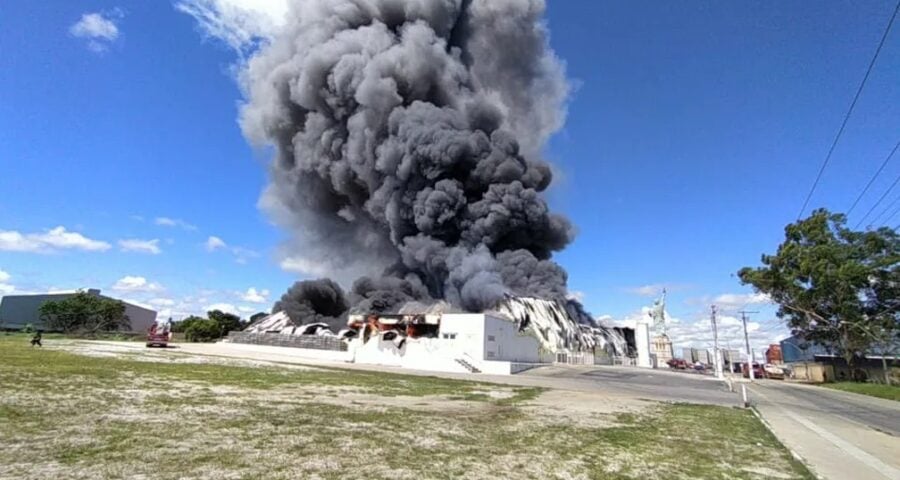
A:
(18, 311)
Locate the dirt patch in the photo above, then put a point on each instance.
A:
(139, 352)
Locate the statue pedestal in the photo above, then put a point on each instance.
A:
(662, 349)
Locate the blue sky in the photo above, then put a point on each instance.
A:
(693, 134)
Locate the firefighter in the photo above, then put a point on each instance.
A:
(36, 339)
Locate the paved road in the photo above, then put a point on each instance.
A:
(840, 435)
(660, 385)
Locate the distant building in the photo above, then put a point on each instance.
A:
(773, 354)
(17, 311)
(797, 349)
(704, 357)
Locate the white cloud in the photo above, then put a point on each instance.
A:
(736, 301)
(174, 222)
(698, 333)
(48, 242)
(303, 266)
(732, 302)
(140, 246)
(240, 24)
(99, 29)
(5, 288)
(136, 284)
(241, 254)
(646, 290)
(254, 296)
(655, 289)
(161, 302)
(246, 309)
(214, 243)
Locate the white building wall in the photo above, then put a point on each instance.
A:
(492, 345)
(464, 334)
(642, 339)
(419, 354)
(504, 342)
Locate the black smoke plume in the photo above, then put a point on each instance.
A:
(314, 301)
(407, 136)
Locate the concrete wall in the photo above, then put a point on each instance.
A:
(325, 355)
(463, 333)
(504, 342)
(312, 342)
(811, 372)
(420, 354)
(17, 311)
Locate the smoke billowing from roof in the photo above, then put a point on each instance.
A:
(407, 136)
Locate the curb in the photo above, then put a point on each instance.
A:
(790, 450)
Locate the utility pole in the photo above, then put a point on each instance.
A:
(747, 343)
(718, 363)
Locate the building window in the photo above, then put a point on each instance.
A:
(491, 338)
(449, 336)
(490, 354)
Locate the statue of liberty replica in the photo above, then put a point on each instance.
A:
(661, 344)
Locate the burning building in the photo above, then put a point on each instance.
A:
(407, 138)
(519, 334)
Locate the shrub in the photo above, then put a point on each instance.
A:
(29, 328)
(182, 326)
(203, 330)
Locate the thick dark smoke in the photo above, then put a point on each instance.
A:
(408, 137)
(314, 301)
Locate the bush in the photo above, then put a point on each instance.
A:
(202, 330)
(29, 328)
(182, 326)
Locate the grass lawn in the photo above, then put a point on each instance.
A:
(68, 416)
(890, 392)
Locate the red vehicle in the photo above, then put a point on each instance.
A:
(678, 364)
(159, 336)
(758, 371)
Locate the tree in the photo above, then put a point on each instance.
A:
(257, 316)
(833, 285)
(182, 325)
(84, 313)
(203, 330)
(227, 321)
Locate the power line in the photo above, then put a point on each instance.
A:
(872, 180)
(849, 111)
(892, 216)
(886, 209)
(889, 190)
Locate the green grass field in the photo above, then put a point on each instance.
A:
(890, 392)
(66, 416)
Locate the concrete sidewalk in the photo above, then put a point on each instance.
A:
(823, 429)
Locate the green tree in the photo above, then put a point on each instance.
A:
(227, 321)
(203, 330)
(257, 316)
(84, 313)
(833, 285)
(182, 325)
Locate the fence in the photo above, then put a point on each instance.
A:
(314, 342)
(577, 358)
